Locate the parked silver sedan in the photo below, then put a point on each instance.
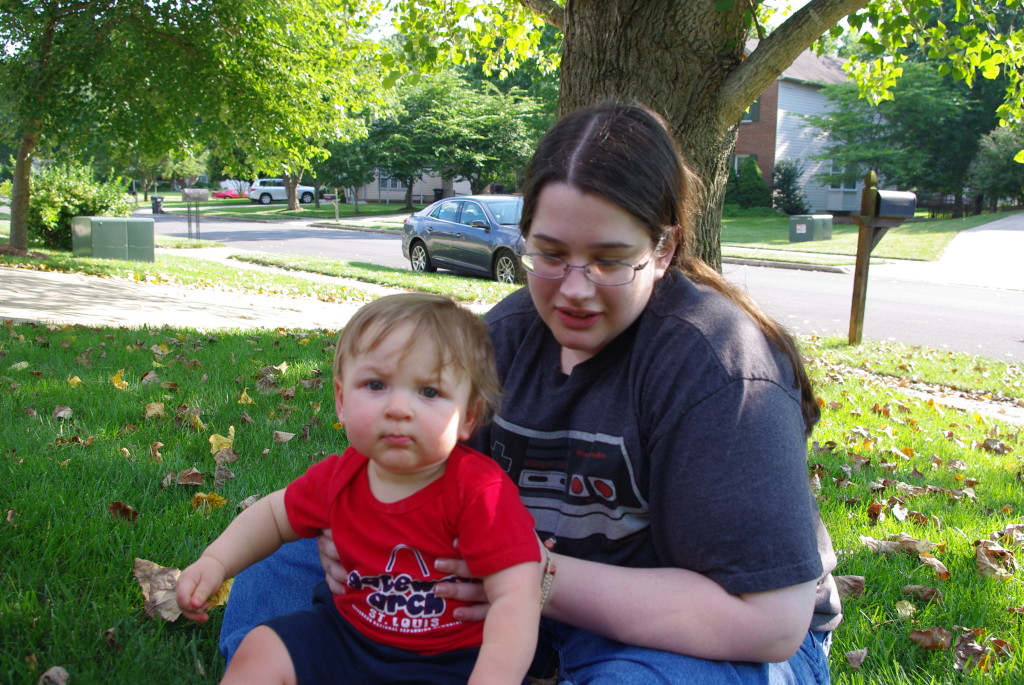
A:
(477, 234)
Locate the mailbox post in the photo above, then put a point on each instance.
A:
(192, 198)
(880, 210)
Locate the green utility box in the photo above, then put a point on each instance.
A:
(810, 227)
(110, 237)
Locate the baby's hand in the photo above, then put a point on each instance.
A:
(195, 585)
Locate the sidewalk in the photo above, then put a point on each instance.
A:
(988, 256)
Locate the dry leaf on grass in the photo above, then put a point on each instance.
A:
(54, 676)
(120, 510)
(993, 560)
(850, 586)
(190, 476)
(220, 442)
(856, 658)
(157, 583)
(209, 500)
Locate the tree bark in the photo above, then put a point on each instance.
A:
(20, 187)
(686, 61)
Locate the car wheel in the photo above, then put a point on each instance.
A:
(420, 258)
(306, 198)
(265, 199)
(507, 268)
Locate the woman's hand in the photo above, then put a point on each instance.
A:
(471, 591)
(336, 574)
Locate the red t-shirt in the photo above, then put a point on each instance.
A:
(389, 548)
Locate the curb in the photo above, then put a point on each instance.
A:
(797, 266)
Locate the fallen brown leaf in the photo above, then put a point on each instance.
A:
(190, 476)
(54, 676)
(850, 586)
(934, 638)
(120, 510)
(221, 475)
(856, 658)
(157, 583)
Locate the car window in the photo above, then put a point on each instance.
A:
(472, 212)
(446, 211)
(506, 211)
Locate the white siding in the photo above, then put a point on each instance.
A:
(422, 191)
(797, 140)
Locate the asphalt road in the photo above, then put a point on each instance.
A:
(986, 321)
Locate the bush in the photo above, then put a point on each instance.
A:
(748, 188)
(732, 211)
(787, 192)
(63, 191)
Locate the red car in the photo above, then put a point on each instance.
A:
(228, 193)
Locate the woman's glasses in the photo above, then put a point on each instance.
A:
(602, 273)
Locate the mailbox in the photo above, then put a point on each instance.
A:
(195, 195)
(895, 204)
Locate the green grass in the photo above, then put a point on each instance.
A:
(66, 576)
(195, 273)
(244, 209)
(918, 240)
(66, 571)
(462, 288)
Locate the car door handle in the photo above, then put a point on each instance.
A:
(459, 236)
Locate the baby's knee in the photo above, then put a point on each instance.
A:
(261, 657)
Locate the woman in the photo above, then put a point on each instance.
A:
(655, 421)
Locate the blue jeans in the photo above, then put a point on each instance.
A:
(284, 582)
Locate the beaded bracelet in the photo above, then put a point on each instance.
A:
(549, 576)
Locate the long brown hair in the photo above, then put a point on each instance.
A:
(625, 153)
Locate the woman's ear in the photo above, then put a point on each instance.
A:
(664, 252)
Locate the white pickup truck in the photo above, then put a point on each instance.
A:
(267, 190)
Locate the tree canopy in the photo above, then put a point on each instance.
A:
(687, 59)
(161, 76)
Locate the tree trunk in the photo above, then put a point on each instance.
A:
(20, 188)
(686, 61)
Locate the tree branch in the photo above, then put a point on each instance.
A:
(778, 50)
(548, 10)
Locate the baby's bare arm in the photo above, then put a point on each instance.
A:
(254, 534)
(510, 629)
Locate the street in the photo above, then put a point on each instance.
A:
(984, 321)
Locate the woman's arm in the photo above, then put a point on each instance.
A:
(680, 611)
(668, 608)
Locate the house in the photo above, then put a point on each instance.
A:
(385, 189)
(773, 128)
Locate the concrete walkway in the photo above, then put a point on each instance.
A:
(988, 256)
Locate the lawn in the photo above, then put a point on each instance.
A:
(920, 240)
(244, 209)
(100, 419)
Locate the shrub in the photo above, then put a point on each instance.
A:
(63, 191)
(787, 193)
(748, 188)
(736, 212)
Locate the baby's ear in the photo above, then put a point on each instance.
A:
(470, 420)
(338, 401)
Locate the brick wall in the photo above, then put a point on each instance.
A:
(759, 137)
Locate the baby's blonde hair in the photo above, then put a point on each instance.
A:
(459, 336)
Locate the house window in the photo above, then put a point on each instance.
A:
(390, 182)
(753, 112)
(843, 177)
(737, 162)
